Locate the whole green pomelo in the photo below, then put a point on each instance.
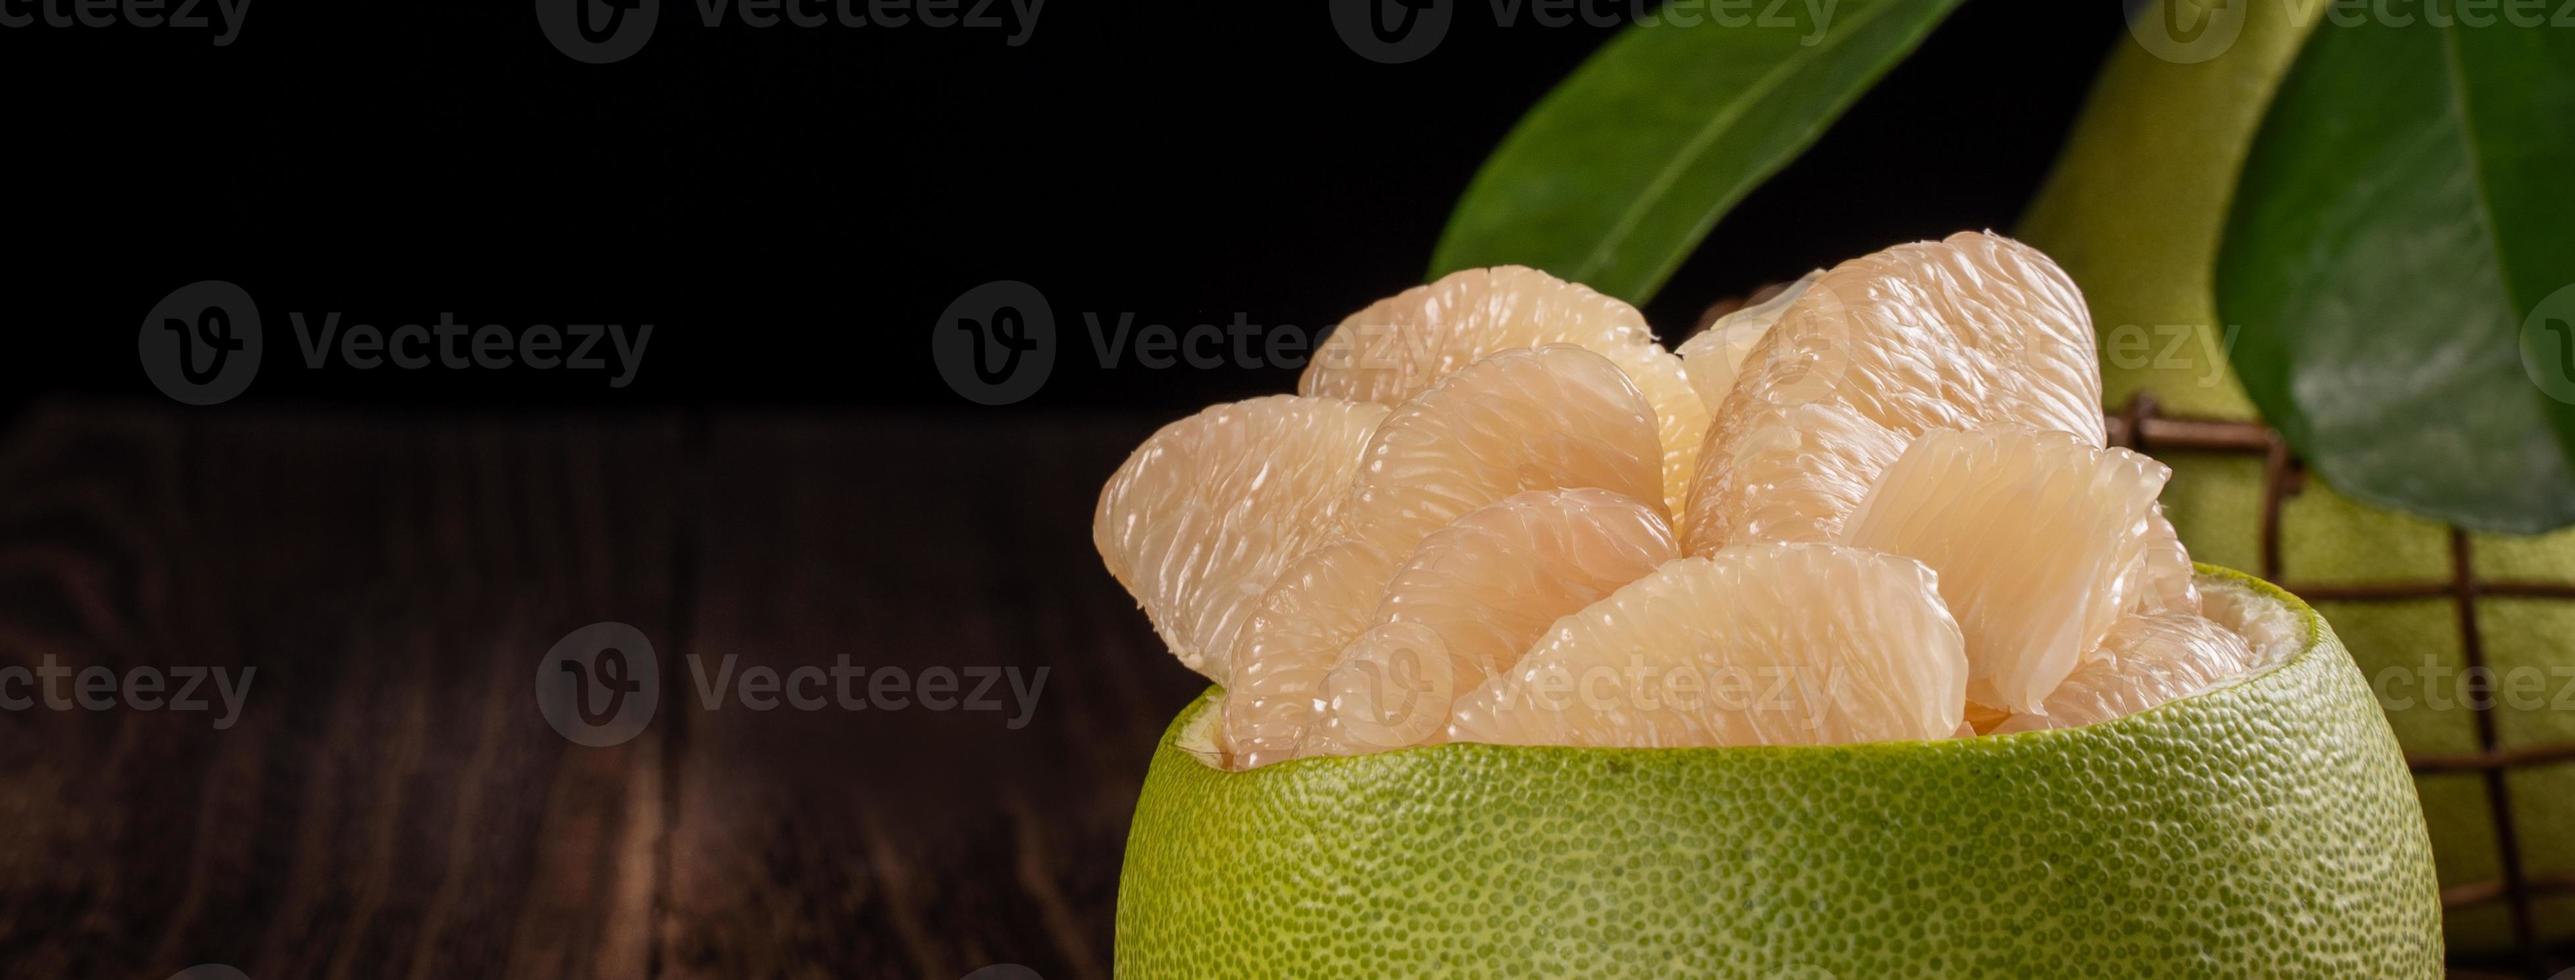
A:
(2134, 212)
(2267, 828)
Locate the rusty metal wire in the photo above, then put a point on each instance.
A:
(2140, 427)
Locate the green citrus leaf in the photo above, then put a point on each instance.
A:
(2402, 216)
(1621, 170)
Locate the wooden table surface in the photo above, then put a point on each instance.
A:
(391, 803)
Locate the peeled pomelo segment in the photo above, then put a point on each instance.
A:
(1201, 517)
(2146, 660)
(1519, 420)
(1319, 604)
(2164, 577)
(1798, 478)
(1962, 333)
(2035, 536)
(1769, 644)
(1399, 346)
(1392, 688)
(1491, 583)
(1540, 419)
(1716, 355)
(1476, 594)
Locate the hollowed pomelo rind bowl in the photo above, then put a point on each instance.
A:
(2265, 828)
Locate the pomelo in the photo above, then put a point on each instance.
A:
(1401, 345)
(1969, 331)
(2145, 660)
(1199, 521)
(2040, 541)
(1716, 354)
(1481, 591)
(2143, 241)
(1759, 644)
(1321, 604)
(2267, 827)
(1517, 420)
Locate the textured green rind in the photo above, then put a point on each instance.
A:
(2134, 212)
(2268, 828)
(2410, 651)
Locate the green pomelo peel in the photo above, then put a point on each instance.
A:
(2265, 828)
(2134, 212)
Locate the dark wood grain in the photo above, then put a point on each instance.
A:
(388, 804)
(911, 842)
(391, 803)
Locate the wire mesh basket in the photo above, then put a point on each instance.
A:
(2532, 894)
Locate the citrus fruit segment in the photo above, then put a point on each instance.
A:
(2037, 536)
(2266, 828)
(2146, 660)
(1770, 644)
(1401, 345)
(2164, 572)
(1716, 354)
(1200, 518)
(1482, 590)
(1518, 420)
(1956, 334)
(1319, 604)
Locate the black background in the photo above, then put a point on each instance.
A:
(793, 208)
